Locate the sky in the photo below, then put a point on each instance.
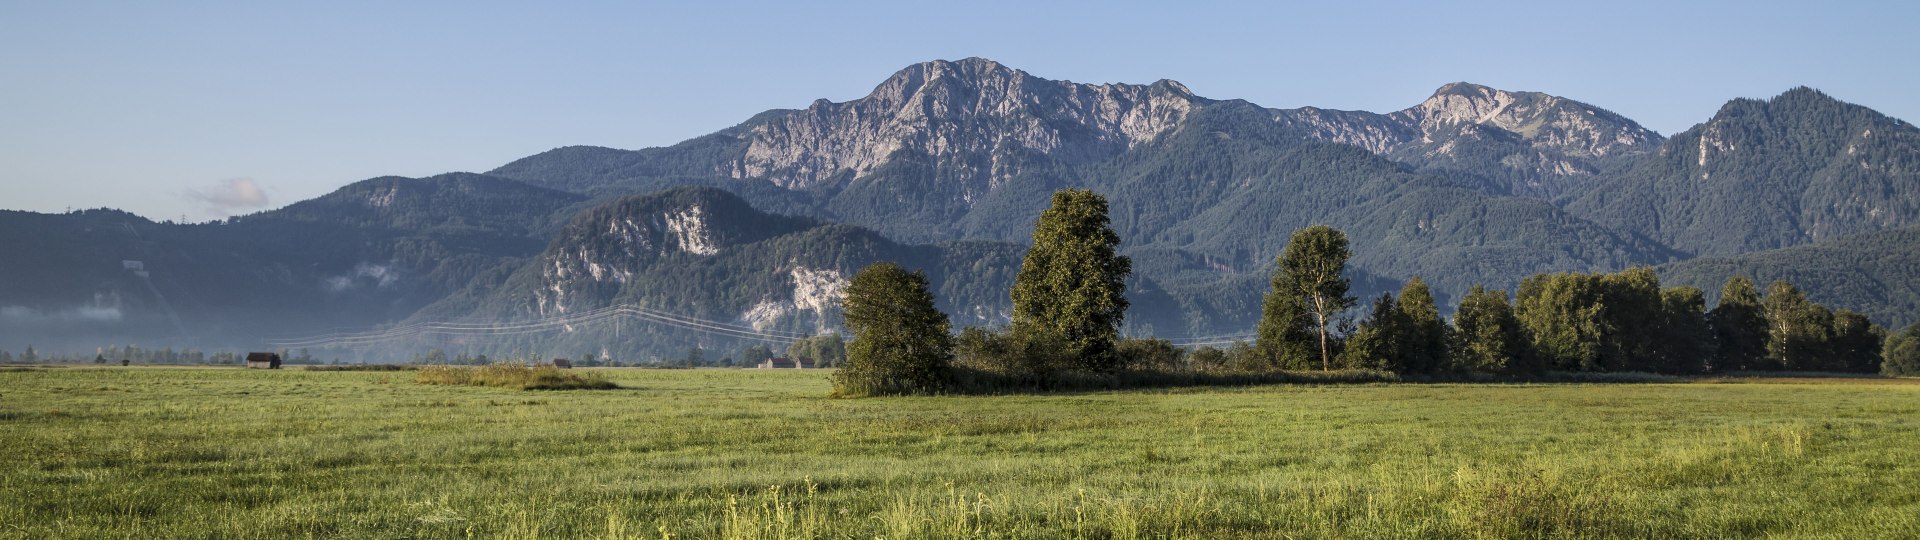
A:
(198, 110)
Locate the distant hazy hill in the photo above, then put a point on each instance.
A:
(1876, 273)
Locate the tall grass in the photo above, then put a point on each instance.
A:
(513, 375)
(231, 453)
(362, 367)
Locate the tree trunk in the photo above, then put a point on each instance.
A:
(1325, 363)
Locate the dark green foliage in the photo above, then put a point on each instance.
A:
(1429, 336)
(1308, 298)
(1621, 321)
(1383, 342)
(1797, 330)
(1404, 335)
(1487, 338)
(1029, 360)
(1683, 341)
(1876, 273)
(901, 343)
(1856, 344)
(825, 350)
(1149, 355)
(1739, 327)
(1208, 358)
(754, 354)
(1563, 317)
(1767, 174)
(1901, 353)
(1072, 284)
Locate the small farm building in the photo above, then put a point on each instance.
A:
(263, 360)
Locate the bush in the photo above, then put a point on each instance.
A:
(513, 375)
(1022, 359)
(1149, 354)
(1207, 359)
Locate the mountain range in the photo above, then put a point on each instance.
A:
(944, 166)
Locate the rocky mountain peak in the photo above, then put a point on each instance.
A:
(967, 111)
(1549, 122)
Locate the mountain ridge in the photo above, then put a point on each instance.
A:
(944, 164)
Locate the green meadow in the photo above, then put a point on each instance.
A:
(233, 453)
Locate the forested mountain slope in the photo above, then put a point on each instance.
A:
(1876, 273)
(1799, 168)
(945, 165)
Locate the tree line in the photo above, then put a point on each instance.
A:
(1069, 302)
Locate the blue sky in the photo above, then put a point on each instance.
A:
(173, 109)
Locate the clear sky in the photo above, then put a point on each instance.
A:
(173, 109)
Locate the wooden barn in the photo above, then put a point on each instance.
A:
(563, 363)
(263, 360)
(786, 363)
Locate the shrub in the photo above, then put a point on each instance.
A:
(1026, 359)
(513, 375)
(1207, 359)
(1149, 355)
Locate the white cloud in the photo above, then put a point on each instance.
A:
(230, 197)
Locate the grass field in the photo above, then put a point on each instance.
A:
(233, 453)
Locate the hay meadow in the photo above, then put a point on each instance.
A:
(149, 452)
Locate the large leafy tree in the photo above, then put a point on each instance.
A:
(1309, 295)
(1072, 284)
(901, 343)
(1739, 327)
(1797, 329)
(1683, 341)
(1563, 316)
(1383, 341)
(1486, 336)
(1901, 355)
(1855, 343)
(1427, 339)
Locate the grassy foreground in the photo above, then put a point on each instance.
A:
(233, 453)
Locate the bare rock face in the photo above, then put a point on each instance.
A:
(967, 111)
(1537, 140)
(1551, 123)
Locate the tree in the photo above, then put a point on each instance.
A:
(1683, 341)
(1427, 339)
(695, 357)
(1207, 358)
(1739, 326)
(1148, 354)
(1562, 317)
(6, 357)
(1797, 329)
(1383, 340)
(1072, 283)
(1855, 343)
(824, 350)
(29, 356)
(1631, 318)
(1309, 295)
(1487, 338)
(1900, 357)
(900, 344)
(755, 353)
